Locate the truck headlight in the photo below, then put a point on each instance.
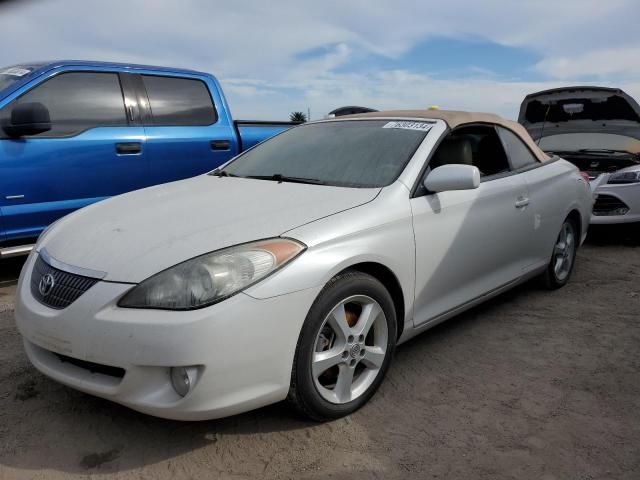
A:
(212, 277)
(625, 177)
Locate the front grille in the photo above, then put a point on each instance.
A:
(609, 205)
(116, 372)
(66, 287)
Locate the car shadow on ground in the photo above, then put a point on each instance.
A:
(10, 270)
(81, 433)
(627, 235)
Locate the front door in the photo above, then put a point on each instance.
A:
(469, 242)
(91, 151)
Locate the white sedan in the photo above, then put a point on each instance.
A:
(598, 130)
(294, 271)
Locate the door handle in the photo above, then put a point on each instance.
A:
(220, 145)
(129, 148)
(522, 202)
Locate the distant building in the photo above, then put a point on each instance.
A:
(339, 112)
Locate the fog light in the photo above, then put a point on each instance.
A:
(620, 211)
(183, 379)
(613, 213)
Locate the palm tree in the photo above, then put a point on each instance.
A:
(298, 117)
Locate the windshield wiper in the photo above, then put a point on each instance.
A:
(605, 150)
(278, 177)
(593, 152)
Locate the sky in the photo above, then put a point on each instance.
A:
(276, 57)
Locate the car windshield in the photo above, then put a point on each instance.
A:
(10, 75)
(351, 153)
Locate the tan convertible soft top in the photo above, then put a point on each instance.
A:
(455, 119)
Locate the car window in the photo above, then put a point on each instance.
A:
(76, 101)
(351, 153)
(474, 145)
(519, 154)
(179, 101)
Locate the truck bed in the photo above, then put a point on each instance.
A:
(252, 132)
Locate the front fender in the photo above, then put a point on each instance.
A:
(340, 241)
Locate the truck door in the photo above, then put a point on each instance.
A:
(185, 135)
(92, 149)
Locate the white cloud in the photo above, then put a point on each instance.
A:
(601, 63)
(255, 47)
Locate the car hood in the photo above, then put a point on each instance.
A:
(573, 110)
(133, 236)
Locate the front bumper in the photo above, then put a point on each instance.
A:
(243, 349)
(610, 197)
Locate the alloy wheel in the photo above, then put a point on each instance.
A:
(564, 251)
(350, 349)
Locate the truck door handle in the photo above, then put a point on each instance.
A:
(522, 202)
(129, 148)
(220, 145)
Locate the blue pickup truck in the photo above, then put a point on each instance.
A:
(75, 132)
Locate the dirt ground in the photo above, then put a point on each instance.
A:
(532, 385)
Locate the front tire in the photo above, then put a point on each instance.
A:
(564, 255)
(345, 347)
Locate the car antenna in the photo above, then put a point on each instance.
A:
(544, 122)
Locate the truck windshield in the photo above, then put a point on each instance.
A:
(10, 75)
(349, 153)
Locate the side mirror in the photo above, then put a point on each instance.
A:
(452, 177)
(28, 118)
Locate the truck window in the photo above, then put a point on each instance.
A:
(10, 75)
(179, 101)
(76, 101)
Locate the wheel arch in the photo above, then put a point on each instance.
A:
(385, 275)
(575, 215)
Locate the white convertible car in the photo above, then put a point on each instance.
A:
(295, 270)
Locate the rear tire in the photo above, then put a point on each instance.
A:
(563, 258)
(345, 347)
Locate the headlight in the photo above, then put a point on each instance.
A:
(625, 177)
(212, 277)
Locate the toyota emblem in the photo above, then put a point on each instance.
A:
(46, 284)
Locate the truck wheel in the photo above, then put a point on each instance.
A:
(345, 347)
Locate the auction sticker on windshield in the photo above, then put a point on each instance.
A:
(422, 126)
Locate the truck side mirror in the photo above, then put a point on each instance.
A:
(29, 118)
